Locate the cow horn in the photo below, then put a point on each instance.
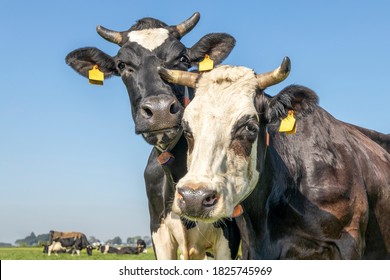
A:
(276, 76)
(178, 77)
(187, 25)
(110, 35)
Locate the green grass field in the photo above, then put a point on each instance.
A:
(31, 253)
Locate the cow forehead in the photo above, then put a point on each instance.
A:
(223, 95)
(150, 39)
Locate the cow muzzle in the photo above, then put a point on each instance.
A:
(196, 202)
(158, 119)
(160, 112)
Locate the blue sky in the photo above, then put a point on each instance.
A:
(69, 158)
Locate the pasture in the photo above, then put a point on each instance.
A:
(35, 253)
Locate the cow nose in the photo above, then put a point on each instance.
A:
(196, 202)
(160, 107)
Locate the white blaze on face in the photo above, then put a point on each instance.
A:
(224, 100)
(149, 38)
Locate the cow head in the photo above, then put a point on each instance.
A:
(156, 106)
(89, 249)
(222, 125)
(141, 246)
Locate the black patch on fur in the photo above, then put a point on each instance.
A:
(187, 223)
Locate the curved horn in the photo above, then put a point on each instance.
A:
(178, 77)
(187, 25)
(110, 35)
(276, 76)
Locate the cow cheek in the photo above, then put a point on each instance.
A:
(236, 174)
(241, 147)
(253, 174)
(244, 175)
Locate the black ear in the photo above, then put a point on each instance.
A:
(300, 99)
(82, 60)
(217, 45)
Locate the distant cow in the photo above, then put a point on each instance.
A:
(128, 250)
(141, 245)
(76, 241)
(96, 245)
(322, 191)
(107, 249)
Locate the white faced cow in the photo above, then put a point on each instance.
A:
(157, 108)
(321, 193)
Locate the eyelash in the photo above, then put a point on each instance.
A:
(185, 60)
(251, 128)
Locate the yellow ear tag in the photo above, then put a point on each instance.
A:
(96, 77)
(206, 64)
(288, 124)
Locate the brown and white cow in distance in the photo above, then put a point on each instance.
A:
(71, 241)
(321, 193)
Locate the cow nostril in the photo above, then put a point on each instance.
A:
(180, 199)
(210, 200)
(174, 108)
(147, 112)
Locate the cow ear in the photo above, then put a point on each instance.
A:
(217, 45)
(84, 59)
(262, 105)
(300, 99)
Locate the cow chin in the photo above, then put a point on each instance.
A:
(162, 138)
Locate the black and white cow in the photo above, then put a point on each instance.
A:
(141, 245)
(128, 250)
(157, 108)
(107, 249)
(321, 193)
(68, 241)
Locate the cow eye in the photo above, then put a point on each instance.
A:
(185, 60)
(121, 65)
(252, 128)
